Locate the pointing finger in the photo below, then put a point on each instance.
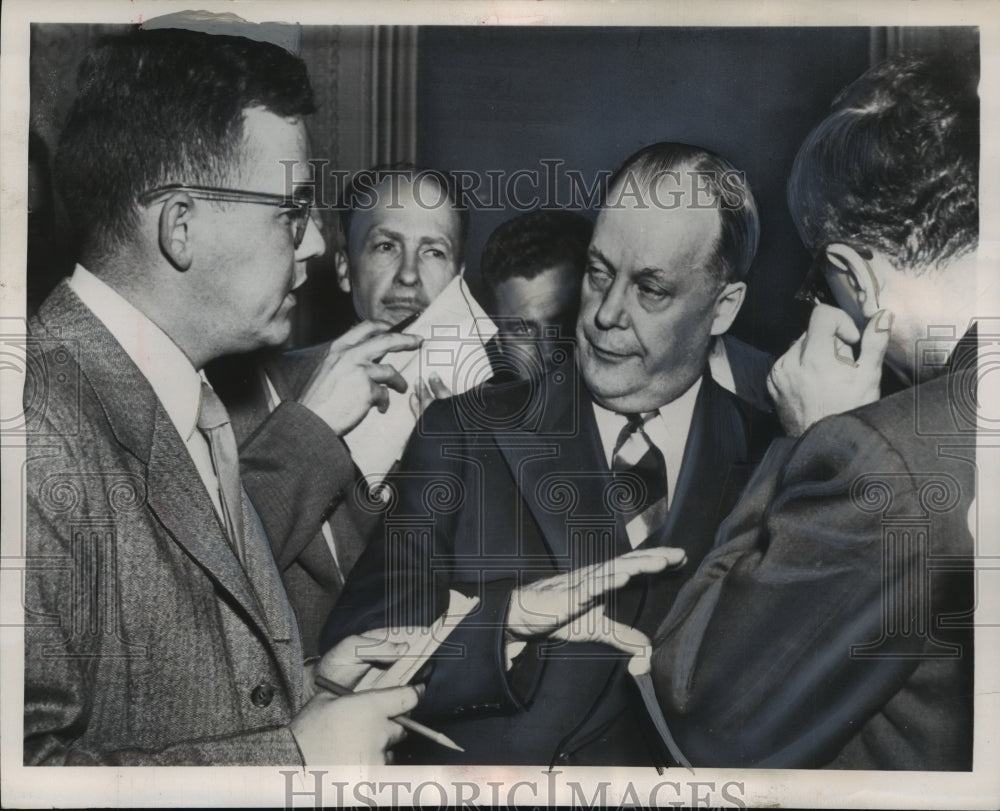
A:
(358, 334)
(375, 347)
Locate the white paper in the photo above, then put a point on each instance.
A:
(455, 329)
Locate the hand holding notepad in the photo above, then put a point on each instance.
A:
(420, 644)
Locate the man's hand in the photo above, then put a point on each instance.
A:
(353, 730)
(352, 657)
(818, 376)
(351, 379)
(552, 604)
(425, 393)
(596, 626)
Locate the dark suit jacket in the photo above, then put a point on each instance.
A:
(832, 626)
(145, 641)
(298, 474)
(505, 485)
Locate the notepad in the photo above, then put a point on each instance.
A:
(422, 644)
(455, 329)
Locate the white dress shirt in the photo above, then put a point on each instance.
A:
(668, 430)
(175, 381)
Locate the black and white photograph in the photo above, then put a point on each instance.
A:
(500, 404)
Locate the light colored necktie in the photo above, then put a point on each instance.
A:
(636, 455)
(213, 422)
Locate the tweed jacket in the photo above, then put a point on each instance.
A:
(146, 643)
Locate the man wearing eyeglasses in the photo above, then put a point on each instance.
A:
(158, 630)
(832, 626)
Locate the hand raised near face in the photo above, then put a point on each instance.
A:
(351, 378)
(818, 375)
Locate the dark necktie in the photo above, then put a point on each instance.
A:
(637, 456)
(213, 421)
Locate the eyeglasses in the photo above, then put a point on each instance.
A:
(815, 287)
(298, 207)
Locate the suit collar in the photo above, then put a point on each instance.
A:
(127, 399)
(162, 362)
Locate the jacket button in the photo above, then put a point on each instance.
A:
(262, 695)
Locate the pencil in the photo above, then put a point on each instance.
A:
(403, 721)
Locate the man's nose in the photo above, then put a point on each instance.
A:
(408, 272)
(612, 312)
(312, 244)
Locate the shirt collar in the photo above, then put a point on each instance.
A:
(667, 428)
(173, 378)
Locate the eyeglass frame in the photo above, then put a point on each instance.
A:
(300, 204)
(815, 289)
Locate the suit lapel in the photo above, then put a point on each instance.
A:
(714, 442)
(561, 455)
(176, 493)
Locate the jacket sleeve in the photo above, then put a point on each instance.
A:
(296, 471)
(754, 665)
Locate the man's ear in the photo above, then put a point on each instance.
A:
(856, 274)
(727, 305)
(175, 230)
(343, 268)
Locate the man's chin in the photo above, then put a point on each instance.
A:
(278, 331)
(621, 394)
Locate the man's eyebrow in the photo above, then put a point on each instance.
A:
(648, 271)
(436, 238)
(382, 231)
(595, 253)
(659, 273)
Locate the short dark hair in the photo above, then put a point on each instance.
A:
(360, 194)
(895, 165)
(728, 192)
(164, 106)
(531, 243)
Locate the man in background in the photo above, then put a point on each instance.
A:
(162, 633)
(532, 267)
(820, 633)
(404, 236)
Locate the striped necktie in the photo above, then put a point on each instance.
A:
(637, 456)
